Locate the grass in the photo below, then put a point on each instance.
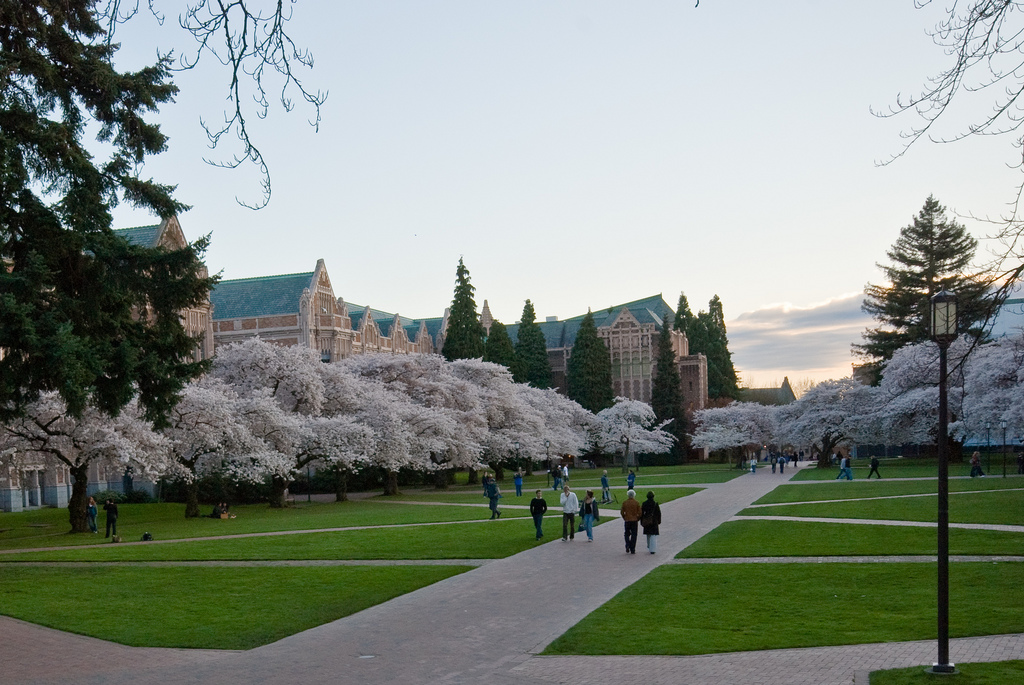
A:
(995, 673)
(706, 609)
(227, 608)
(485, 540)
(805, 538)
(878, 488)
(47, 527)
(1004, 507)
(909, 468)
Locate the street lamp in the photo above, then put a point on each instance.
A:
(1002, 424)
(944, 315)
(516, 445)
(988, 439)
(547, 458)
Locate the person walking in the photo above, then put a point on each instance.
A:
(630, 513)
(874, 468)
(111, 508)
(774, 461)
(565, 473)
(493, 494)
(976, 465)
(570, 505)
(753, 464)
(606, 489)
(1020, 463)
(556, 474)
(844, 469)
(630, 480)
(518, 480)
(782, 463)
(590, 514)
(537, 508)
(650, 519)
(91, 511)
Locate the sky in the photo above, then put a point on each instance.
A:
(585, 154)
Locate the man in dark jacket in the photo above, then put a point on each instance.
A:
(111, 508)
(537, 508)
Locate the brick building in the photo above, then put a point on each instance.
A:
(630, 331)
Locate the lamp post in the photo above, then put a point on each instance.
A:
(516, 445)
(547, 459)
(1002, 424)
(988, 439)
(944, 320)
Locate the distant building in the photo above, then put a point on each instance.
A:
(769, 396)
(630, 331)
(301, 309)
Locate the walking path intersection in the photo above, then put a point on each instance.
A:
(489, 624)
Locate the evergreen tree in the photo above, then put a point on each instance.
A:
(666, 393)
(707, 335)
(498, 347)
(532, 365)
(589, 370)
(684, 317)
(70, 288)
(464, 337)
(932, 254)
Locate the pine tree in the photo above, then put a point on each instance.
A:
(70, 288)
(464, 337)
(532, 365)
(666, 393)
(932, 254)
(589, 370)
(684, 317)
(707, 335)
(498, 347)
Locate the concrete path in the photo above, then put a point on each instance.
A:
(484, 626)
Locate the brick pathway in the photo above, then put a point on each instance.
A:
(484, 626)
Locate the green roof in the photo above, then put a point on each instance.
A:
(263, 296)
(557, 334)
(143, 236)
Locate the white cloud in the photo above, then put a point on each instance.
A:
(799, 342)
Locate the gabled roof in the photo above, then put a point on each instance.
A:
(557, 334)
(143, 236)
(263, 296)
(769, 396)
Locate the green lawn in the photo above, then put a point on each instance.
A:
(909, 468)
(227, 608)
(995, 673)
(485, 540)
(805, 538)
(48, 527)
(856, 489)
(994, 507)
(705, 609)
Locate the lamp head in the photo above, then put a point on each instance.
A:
(944, 317)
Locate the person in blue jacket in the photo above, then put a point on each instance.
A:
(606, 491)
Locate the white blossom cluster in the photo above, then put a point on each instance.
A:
(267, 410)
(985, 385)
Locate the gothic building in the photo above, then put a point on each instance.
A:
(301, 309)
(630, 331)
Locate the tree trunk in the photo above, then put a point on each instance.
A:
(391, 484)
(474, 478)
(340, 485)
(499, 472)
(77, 515)
(192, 499)
(441, 478)
(278, 488)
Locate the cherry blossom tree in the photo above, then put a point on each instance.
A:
(634, 424)
(206, 433)
(993, 388)
(738, 424)
(830, 414)
(123, 442)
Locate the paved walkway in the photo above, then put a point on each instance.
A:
(484, 626)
